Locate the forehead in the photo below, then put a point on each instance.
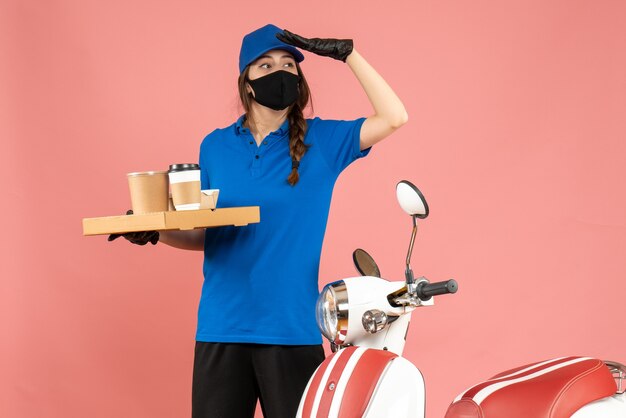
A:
(276, 54)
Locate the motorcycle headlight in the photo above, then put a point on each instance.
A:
(332, 312)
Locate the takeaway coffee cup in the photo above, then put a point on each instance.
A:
(148, 191)
(185, 184)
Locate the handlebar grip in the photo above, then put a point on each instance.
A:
(427, 290)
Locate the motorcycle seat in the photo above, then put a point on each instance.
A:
(550, 389)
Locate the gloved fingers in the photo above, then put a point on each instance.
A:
(113, 237)
(138, 242)
(294, 39)
(138, 238)
(338, 49)
(142, 238)
(315, 45)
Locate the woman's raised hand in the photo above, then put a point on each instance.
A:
(338, 49)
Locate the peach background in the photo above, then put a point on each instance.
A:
(516, 137)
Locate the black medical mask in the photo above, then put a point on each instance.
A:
(277, 90)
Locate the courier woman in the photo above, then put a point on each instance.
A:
(257, 337)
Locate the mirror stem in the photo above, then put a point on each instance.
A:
(408, 256)
(408, 272)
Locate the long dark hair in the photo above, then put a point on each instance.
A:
(297, 123)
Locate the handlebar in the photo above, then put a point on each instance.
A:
(427, 290)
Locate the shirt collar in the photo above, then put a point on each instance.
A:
(240, 129)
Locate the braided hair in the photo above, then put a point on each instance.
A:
(297, 123)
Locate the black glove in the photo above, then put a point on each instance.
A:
(139, 238)
(338, 49)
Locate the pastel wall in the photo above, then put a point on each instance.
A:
(516, 137)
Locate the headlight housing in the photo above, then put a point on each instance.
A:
(332, 312)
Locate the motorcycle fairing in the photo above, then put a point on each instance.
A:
(350, 383)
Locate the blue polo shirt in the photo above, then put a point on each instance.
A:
(260, 281)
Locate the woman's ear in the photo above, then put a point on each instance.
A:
(249, 90)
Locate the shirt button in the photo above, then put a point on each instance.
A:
(264, 142)
(250, 142)
(256, 156)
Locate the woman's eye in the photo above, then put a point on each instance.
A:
(289, 64)
(265, 65)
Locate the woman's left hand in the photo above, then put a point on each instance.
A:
(338, 49)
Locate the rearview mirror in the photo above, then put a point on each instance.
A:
(365, 264)
(411, 200)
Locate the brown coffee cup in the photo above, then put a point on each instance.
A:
(148, 191)
(185, 185)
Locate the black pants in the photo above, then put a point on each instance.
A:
(229, 378)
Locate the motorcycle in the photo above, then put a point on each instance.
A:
(366, 320)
